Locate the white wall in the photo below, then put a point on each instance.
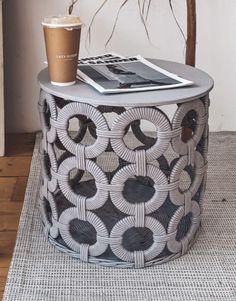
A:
(216, 49)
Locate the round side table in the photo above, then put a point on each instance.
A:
(113, 194)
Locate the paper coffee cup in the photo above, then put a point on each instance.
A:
(62, 41)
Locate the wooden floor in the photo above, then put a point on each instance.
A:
(14, 171)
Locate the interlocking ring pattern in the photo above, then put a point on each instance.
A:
(142, 196)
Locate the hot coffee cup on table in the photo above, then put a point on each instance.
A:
(62, 41)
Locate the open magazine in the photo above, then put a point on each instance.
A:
(112, 73)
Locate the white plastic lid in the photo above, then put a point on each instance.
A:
(62, 21)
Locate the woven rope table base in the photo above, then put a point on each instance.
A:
(144, 212)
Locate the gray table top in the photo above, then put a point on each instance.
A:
(82, 92)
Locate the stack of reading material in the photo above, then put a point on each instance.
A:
(112, 73)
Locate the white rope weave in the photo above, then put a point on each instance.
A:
(142, 194)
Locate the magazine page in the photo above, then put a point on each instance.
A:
(112, 73)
